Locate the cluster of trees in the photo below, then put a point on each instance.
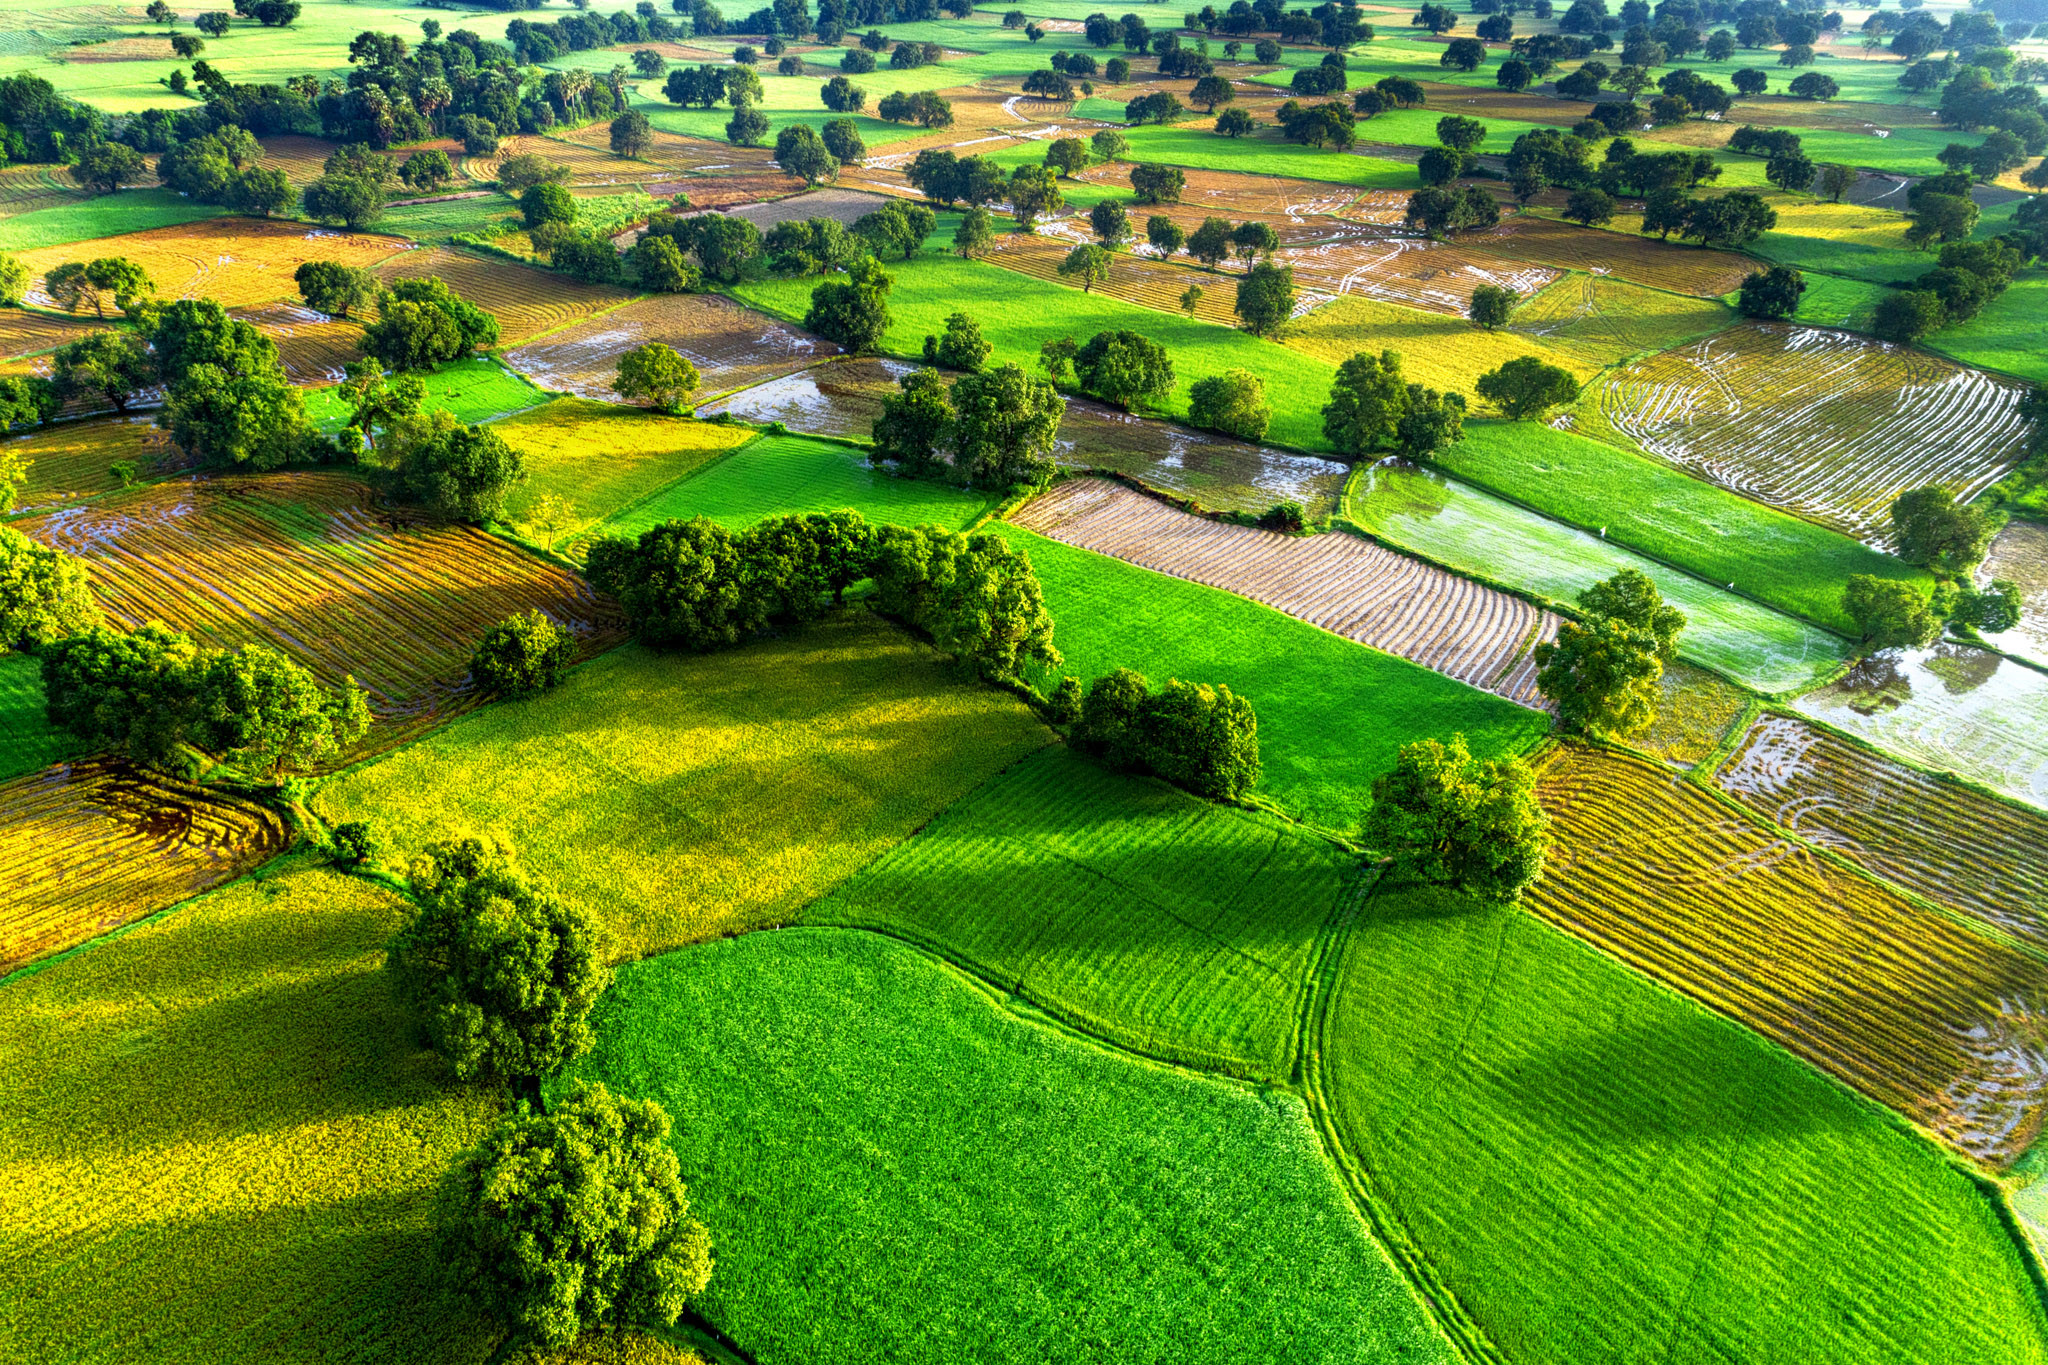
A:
(1602, 671)
(1966, 277)
(1000, 425)
(1203, 738)
(457, 471)
(1451, 819)
(45, 594)
(1373, 410)
(1930, 528)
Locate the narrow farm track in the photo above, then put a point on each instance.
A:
(1947, 843)
(1946, 1025)
(305, 562)
(1825, 424)
(88, 847)
(1346, 585)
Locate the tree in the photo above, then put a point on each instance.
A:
(456, 471)
(214, 23)
(45, 594)
(1772, 293)
(801, 153)
(1211, 91)
(746, 127)
(429, 170)
(523, 654)
(854, 313)
(658, 374)
(842, 96)
(1941, 218)
(1493, 306)
(377, 403)
(269, 712)
(960, 347)
(127, 692)
(1066, 155)
(1235, 122)
(335, 289)
(914, 425)
(115, 278)
(518, 174)
(1439, 165)
(1253, 238)
(1602, 676)
(974, 236)
(1441, 211)
(1514, 74)
(1889, 613)
(726, 245)
(110, 367)
(660, 265)
(1455, 820)
(546, 202)
(842, 138)
(106, 166)
(422, 323)
(500, 975)
(1004, 426)
(631, 135)
(1189, 298)
(1632, 598)
(1732, 220)
(1034, 194)
(1164, 235)
(1152, 183)
(1429, 421)
(1088, 263)
(1931, 528)
(976, 596)
(354, 201)
(1906, 315)
(1750, 82)
(649, 63)
(14, 280)
(1527, 387)
(1367, 399)
(1110, 223)
(1210, 243)
(1203, 738)
(1233, 402)
(1124, 368)
(1462, 54)
(681, 584)
(1812, 85)
(1593, 207)
(1108, 144)
(1791, 171)
(1265, 298)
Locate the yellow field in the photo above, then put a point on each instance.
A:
(235, 261)
(598, 457)
(1645, 260)
(75, 460)
(1852, 224)
(1440, 351)
(525, 301)
(312, 348)
(1604, 321)
(24, 331)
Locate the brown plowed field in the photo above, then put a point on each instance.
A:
(1344, 584)
(1942, 1023)
(73, 461)
(525, 301)
(312, 347)
(88, 847)
(1645, 260)
(731, 346)
(306, 562)
(26, 332)
(235, 261)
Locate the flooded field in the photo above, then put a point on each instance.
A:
(2020, 553)
(732, 347)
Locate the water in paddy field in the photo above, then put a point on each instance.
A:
(1953, 707)
(2021, 554)
(843, 399)
(1458, 526)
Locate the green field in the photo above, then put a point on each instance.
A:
(475, 390)
(486, 214)
(1181, 929)
(131, 210)
(1835, 301)
(27, 739)
(1600, 1171)
(887, 1155)
(1722, 537)
(1462, 528)
(1331, 712)
(683, 796)
(2006, 335)
(599, 458)
(782, 474)
(1018, 314)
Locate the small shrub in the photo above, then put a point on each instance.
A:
(353, 845)
(1289, 517)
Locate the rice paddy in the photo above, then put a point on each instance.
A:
(1824, 424)
(234, 261)
(1438, 350)
(313, 348)
(1695, 712)
(24, 331)
(87, 847)
(307, 562)
(75, 461)
(1906, 1005)
(597, 459)
(2019, 554)
(525, 301)
(1435, 276)
(1603, 321)
(732, 347)
(1701, 272)
(1342, 583)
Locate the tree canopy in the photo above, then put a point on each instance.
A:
(1460, 821)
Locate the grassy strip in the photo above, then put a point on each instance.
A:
(1038, 1191)
(1768, 555)
(27, 739)
(682, 796)
(475, 390)
(1332, 713)
(1600, 1171)
(2006, 336)
(1017, 314)
(103, 216)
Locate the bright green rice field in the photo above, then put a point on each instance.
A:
(27, 740)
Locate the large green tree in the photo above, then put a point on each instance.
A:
(1889, 614)
(1631, 597)
(657, 373)
(1930, 527)
(128, 692)
(335, 289)
(523, 654)
(1265, 298)
(681, 583)
(914, 425)
(453, 469)
(1233, 402)
(1461, 821)
(1004, 426)
(422, 323)
(1527, 387)
(1602, 676)
(853, 312)
(265, 710)
(1367, 399)
(1125, 368)
(109, 367)
(256, 420)
(45, 594)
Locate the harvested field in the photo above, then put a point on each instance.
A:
(1945, 842)
(1943, 1024)
(1143, 280)
(1235, 196)
(525, 301)
(731, 346)
(1661, 265)
(312, 346)
(1603, 320)
(1952, 707)
(842, 206)
(153, 48)
(1436, 349)
(2020, 553)
(26, 332)
(74, 460)
(88, 847)
(1829, 425)
(1438, 276)
(1343, 583)
(1695, 710)
(27, 188)
(302, 159)
(308, 563)
(588, 155)
(234, 261)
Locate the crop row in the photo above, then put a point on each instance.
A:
(732, 347)
(234, 261)
(525, 301)
(1944, 1024)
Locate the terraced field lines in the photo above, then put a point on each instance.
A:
(307, 563)
(732, 347)
(1343, 583)
(1438, 276)
(234, 261)
(87, 847)
(74, 460)
(23, 331)
(1660, 265)
(312, 346)
(526, 302)
(1826, 424)
(2020, 553)
(1945, 842)
(1605, 320)
(1948, 1026)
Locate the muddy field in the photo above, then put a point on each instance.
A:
(732, 347)
(525, 301)
(2020, 554)
(1345, 584)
